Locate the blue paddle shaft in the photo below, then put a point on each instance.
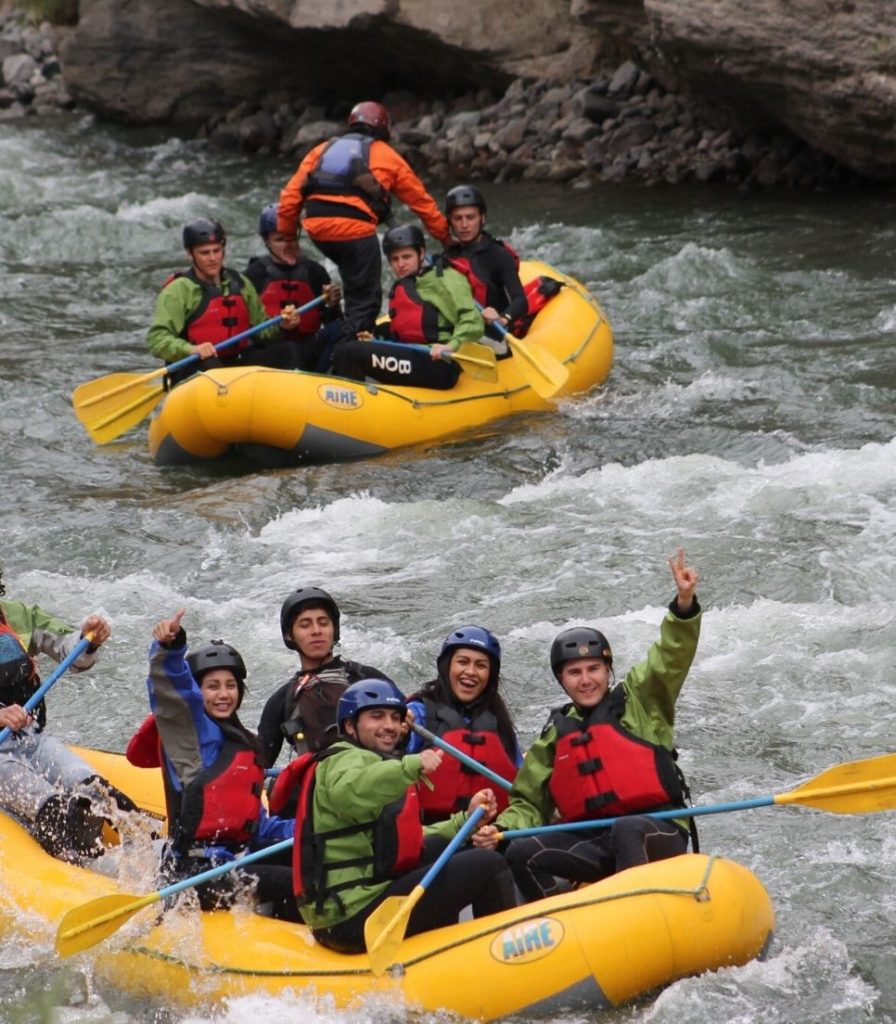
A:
(468, 826)
(39, 694)
(222, 869)
(470, 762)
(678, 812)
(245, 334)
(410, 345)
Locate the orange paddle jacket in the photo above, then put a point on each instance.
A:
(390, 169)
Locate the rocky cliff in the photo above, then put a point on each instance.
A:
(660, 89)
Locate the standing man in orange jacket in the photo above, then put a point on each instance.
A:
(345, 186)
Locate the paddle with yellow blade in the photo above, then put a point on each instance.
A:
(855, 787)
(542, 370)
(109, 406)
(385, 928)
(86, 925)
(477, 360)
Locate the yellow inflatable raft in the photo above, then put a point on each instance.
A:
(600, 946)
(282, 418)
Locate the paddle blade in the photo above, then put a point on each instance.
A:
(542, 370)
(120, 413)
(856, 787)
(93, 393)
(86, 925)
(478, 361)
(384, 929)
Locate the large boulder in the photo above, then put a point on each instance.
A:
(825, 70)
(183, 61)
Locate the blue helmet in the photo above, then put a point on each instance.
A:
(267, 222)
(369, 693)
(472, 636)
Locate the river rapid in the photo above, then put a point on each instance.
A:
(749, 419)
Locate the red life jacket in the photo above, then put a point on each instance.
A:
(411, 319)
(144, 747)
(222, 804)
(18, 673)
(454, 783)
(218, 316)
(289, 286)
(396, 836)
(472, 265)
(343, 168)
(602, 770)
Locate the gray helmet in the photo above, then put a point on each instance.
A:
(202, 232)
(405, 236)
(217, 654)
(579, 642)
(464, 195)
(300, 599)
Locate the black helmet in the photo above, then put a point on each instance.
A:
(202, 232)
(303, 598)
(579, 642)
(217, 654)
(404, 236)
(464, 195)
(369, 693)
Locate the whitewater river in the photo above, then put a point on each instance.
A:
(749, 418)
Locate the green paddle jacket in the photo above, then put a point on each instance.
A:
(651, 690)
(182, 297)
(449, 291)
(352, 786)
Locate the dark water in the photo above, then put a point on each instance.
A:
(749, 418)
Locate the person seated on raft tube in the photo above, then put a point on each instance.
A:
(343, 187)
(203, 306)
(463, 706)
(359, 837)
(608, 752)
(59, 797)
(213, 771)
(303, 710)
(286, 278)
(491, 266)
(427, 305)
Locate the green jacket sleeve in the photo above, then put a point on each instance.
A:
(653, 685)
(174, 303)
(42, 633)
(450, 293)
(531, 804)
(360, 787)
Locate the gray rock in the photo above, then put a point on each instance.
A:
(18, 69)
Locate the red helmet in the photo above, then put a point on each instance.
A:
(374, 115)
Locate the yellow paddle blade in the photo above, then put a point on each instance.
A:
(384, 929)
(86, 925)
(856, 787)
(92, 394)
(480, 365)
(544, 372)
(129, 411)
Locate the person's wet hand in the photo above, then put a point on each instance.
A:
(167, 630)
(332, 294)
(291, 317)
(486, 838)
(14, 717)
(485, 799)
(686, 580)
(436, 351)
(430, 759)
(96, 629)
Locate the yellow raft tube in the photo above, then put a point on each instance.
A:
(285, 418)
(597, 947)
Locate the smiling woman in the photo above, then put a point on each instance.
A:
(463, 708)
